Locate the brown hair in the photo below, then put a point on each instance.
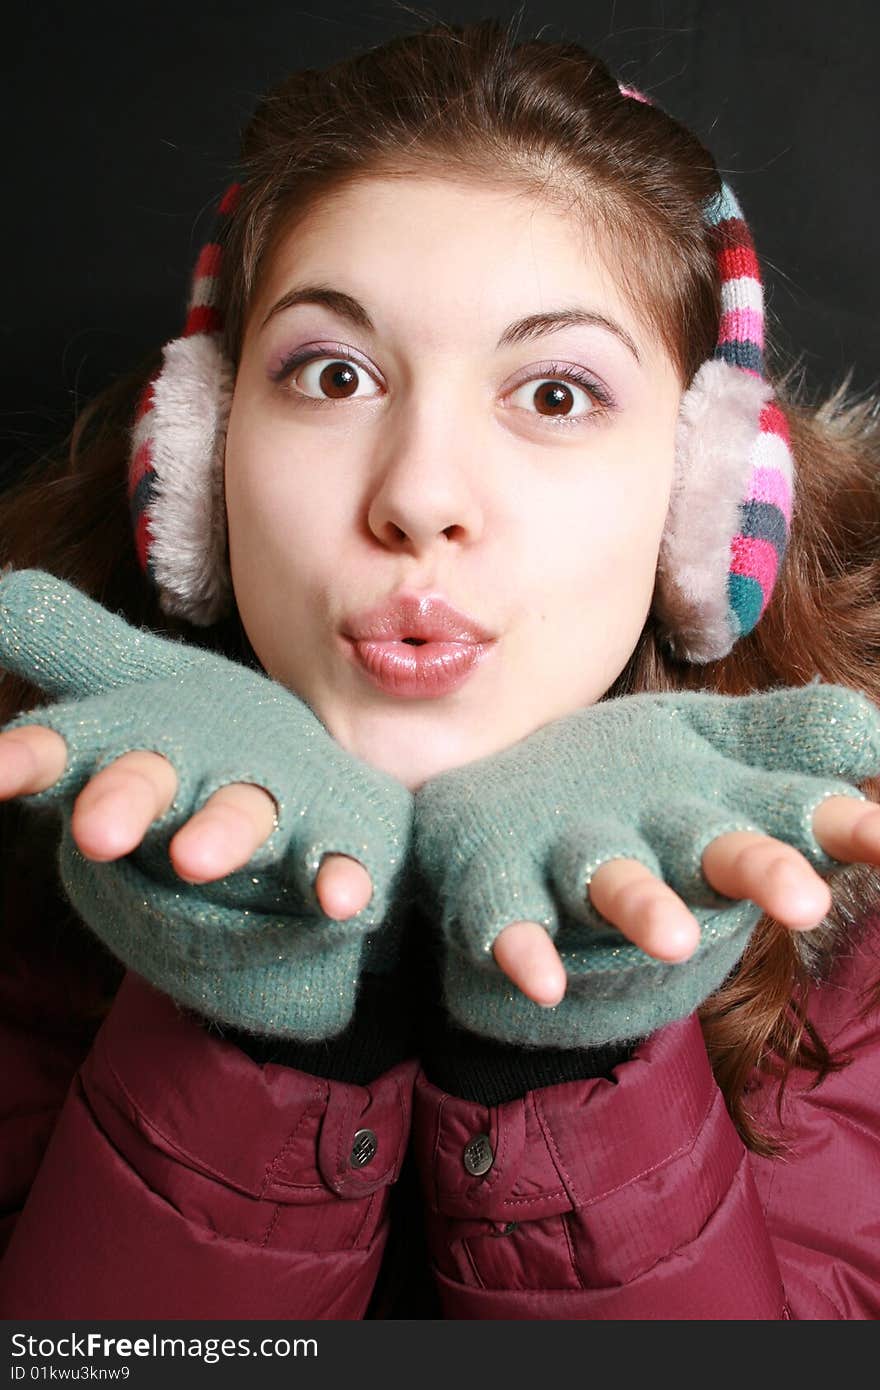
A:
(547, 118)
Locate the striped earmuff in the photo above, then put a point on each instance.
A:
(729, 517)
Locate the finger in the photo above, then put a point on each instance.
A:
(31, 759)
(343, 886)
(526, 954)
(848, 830)
(222, 836)
(117, 806)
(645, 909)
(502, 885)
(776, 877)
(53, 635)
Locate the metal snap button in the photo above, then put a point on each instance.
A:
(363, 1149)
(478, 1156)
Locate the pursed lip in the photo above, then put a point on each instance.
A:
(416, 648)
(424, 619)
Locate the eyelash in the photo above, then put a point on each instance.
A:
(602, 400)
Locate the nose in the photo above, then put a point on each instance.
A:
(425, 488)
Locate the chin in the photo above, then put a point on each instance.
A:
(411, 751)
(413, 767)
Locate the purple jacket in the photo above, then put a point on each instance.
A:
(181, 1179)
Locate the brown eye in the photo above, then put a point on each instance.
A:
(553, 397)
(333, 379)
(339, 379)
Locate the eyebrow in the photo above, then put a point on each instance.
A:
(520, 331)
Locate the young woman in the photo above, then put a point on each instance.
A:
(489, 795)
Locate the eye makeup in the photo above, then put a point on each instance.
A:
(604, 402)
(281, 369)
(570, 372)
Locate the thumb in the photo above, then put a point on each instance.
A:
(819, 729)
(71, 647)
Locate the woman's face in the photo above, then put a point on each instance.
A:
(444, 399)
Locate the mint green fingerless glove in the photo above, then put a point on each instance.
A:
(653, 777)
(252, 949)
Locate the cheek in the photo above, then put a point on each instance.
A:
(597, 541)
(277, 501)
(276, 550)
(598, 587)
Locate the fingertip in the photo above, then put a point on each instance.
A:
(800, 897)
(525, 952)
(222, 837)
(551, 981)
(674, 942)
(17, 767)
(339, 906)
(196, 857)
(809, 912)
(195, 877)
(547, 990)
(101, 844)
(34, 757)
(102, 824)
(197, 865)
(550, 994)
(343, 887)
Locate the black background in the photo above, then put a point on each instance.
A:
(121, 125)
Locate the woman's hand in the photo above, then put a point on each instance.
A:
(613, 864)
(168, 763)
(741, 864)
(115, 809)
